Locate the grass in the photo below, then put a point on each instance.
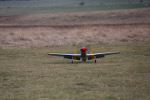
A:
(66, 6)
(52, 10)
(30, 74)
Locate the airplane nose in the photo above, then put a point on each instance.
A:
(83, 50)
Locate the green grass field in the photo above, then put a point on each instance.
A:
(66, 6)
(30, 74)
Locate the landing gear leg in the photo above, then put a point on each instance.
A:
(95, 59)
(72, 60)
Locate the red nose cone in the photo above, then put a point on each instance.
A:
(83, 49)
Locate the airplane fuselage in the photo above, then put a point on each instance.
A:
(83, 54)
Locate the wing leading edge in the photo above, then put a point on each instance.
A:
(77, 56)
(100, 55)
(68, 56)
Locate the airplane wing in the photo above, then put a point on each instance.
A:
(68, 56)
(100, 55)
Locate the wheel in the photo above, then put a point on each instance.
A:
(72, 61)
(95, 60)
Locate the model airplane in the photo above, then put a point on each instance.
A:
(84, 56)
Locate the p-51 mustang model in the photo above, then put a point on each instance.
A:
(84, 56)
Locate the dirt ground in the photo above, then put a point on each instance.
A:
(72, 28)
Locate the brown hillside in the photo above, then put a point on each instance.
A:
(62, 29)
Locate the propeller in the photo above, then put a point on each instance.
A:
(81, 44)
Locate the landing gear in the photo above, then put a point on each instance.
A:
(95, 59)
(72, 60)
